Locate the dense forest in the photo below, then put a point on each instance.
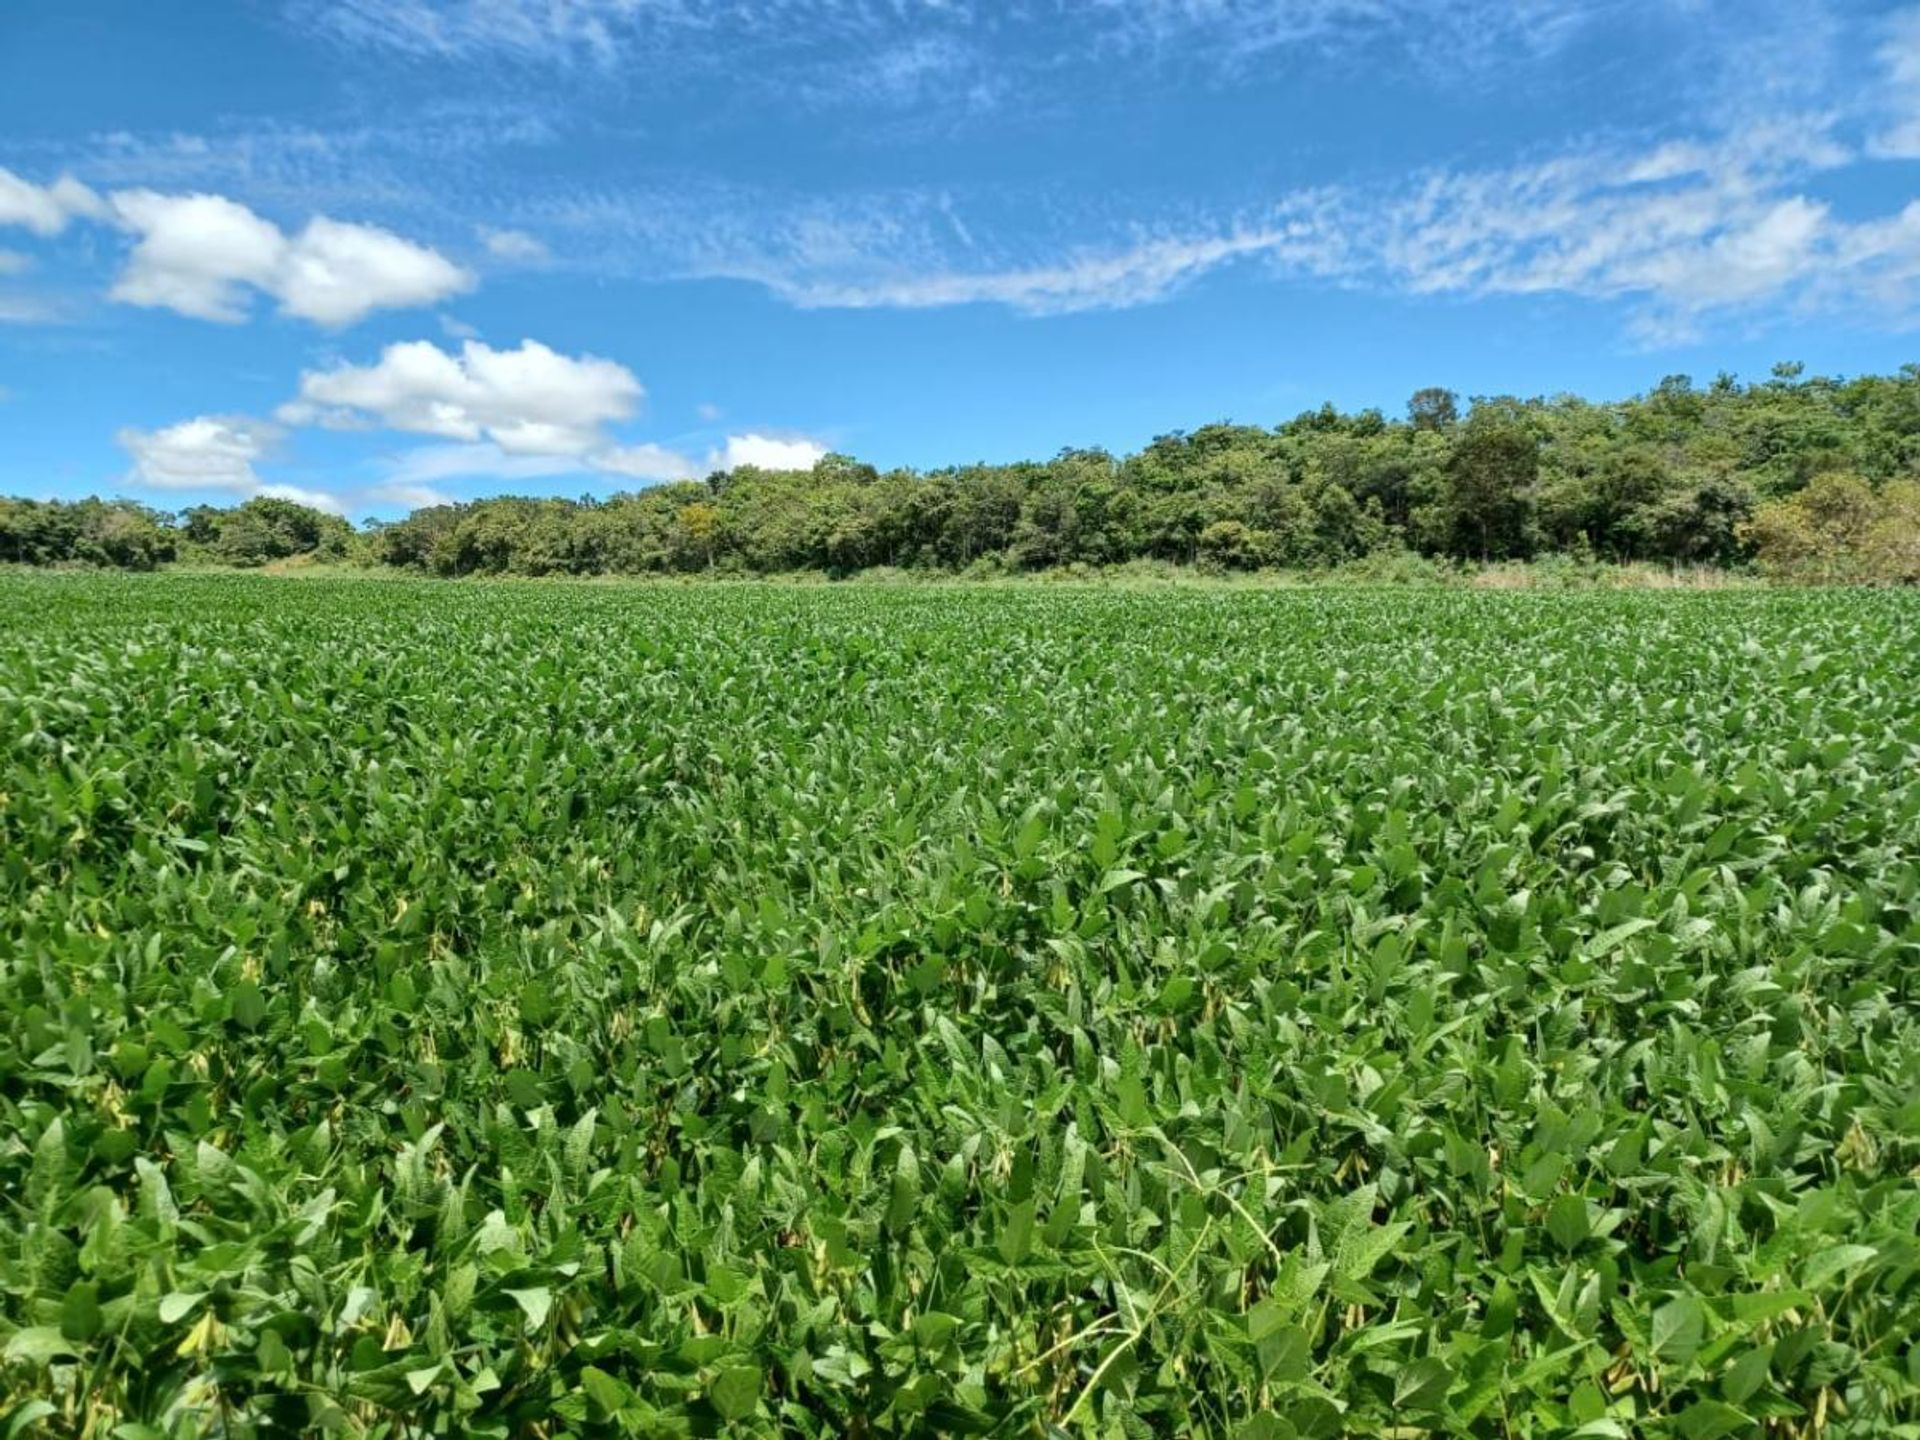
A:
(1812, 477)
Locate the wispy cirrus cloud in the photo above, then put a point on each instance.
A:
(31, 309)
(928, 64)
(1137, 270)
(427, 467)
(1705, 218)
(1684, 234)
(1897, 57)
(515, 247)
(1679, 230)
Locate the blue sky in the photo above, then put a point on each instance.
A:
(381, 252)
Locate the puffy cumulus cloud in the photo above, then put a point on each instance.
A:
(45, 209)
(334, 273)
(219, 453)
(197, 254)
(527, 401)
(516, 247)
(766, 452)
(511, 415)
(206, 255)
(208, 452)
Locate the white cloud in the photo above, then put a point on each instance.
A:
(220, 453)
(314, 499)
(1140, 273)
(44, 209)
(1680, 231)
(708, 412)
(521, 414)
(767, 452)
(908, 41)
(1683, 231)
(407, 497)
(527, 401)
(335, 273)
(197, 254)
(208, 452)
(412, 477)
(424, 464)
(204, 255)
(516, 247)
(914, 250)
(30, 310)
(1726, 217)
(651, 463)
(1899, 58)
(12, 262)
(531, 29)
(1746, 259)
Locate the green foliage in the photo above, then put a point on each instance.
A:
(1491, 476)
(264, 529)
(115, 533)
(1669, 476)
(900, 1012)
(1838, 529)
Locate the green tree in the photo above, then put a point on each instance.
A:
(1229, 545)
(1819, 534)
(1433, 408)
(1892, 543)
(1490, 483)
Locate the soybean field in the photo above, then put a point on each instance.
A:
(523, 1009)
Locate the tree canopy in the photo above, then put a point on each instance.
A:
(1683, 473)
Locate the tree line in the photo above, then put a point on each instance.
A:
(1814, 477)
(130, 536)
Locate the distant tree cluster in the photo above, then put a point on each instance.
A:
(133, 537)
(263, 529)
(85, 532)
(1811, 477)
(1838, 530)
